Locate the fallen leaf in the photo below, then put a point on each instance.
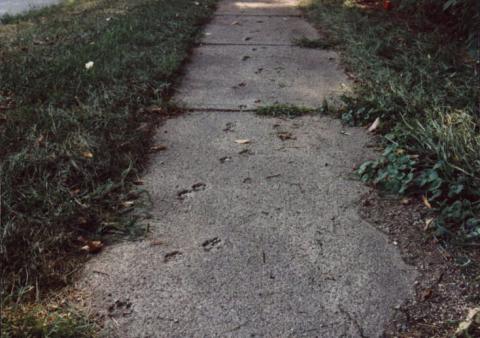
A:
(128, 204)
(427, 293)
(426, 202)
(171, 255)
(285, 135)
(158, 147)
(155, 109)
(39, 141)
(243, 141)
(374, 125)
(157, 242)
(93, 247)
(273, 176)
(199, 186)
(75, 192)
(428, 222)
(405, 201)
(87, 154)
(472, 317)
(235, 23)
(246, 152)
(89, 65)
(225, 159)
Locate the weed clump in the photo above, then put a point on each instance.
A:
(315, 43)
(284, 110)
(417, 76)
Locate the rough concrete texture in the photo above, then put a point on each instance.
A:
(220, 77)
(250, 30)
(249, 60)
(260, 237)
(17, 6)
(259, 7)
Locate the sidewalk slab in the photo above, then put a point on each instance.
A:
(257, 30)
(259, 7)
(269, 246)
(246, 77)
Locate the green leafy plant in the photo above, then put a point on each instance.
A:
(413, 72)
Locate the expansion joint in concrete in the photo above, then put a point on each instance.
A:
(247, 44)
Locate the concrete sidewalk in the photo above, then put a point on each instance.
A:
(13, 7)
(255, 231)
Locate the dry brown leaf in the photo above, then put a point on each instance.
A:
(39, 141)
(285, 135)
(74, 192)
(428, 222)
(87, 154)
(426, 202)
(128, 204)
(374, 125)
(243, 141)
(427, 293)
(158, 147)
(472, 317)
(155, 109)
(92, 247)
(157, 242)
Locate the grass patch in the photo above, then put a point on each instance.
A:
(417, 76)
(82, 86)
(284, 110)
(320, 43)
(49, 321)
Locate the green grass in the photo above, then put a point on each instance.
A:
(321, 43)
(419, 79)
(284, 110)
(49, 321)
(75, 139)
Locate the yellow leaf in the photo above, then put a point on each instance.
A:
(87, 154)
(472, 317)
(158, 147)
(374, 125)
(428, 222)
(426, 202)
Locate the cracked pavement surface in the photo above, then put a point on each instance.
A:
(259, 238)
